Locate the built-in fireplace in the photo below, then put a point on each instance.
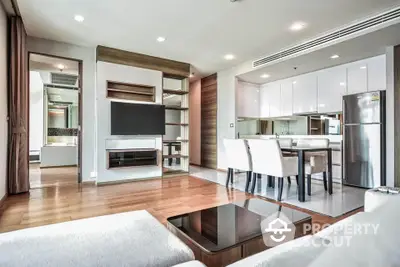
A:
(131, 158)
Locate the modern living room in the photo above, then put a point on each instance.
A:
(275, 147)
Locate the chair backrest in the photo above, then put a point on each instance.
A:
(266, 156)
(319, 142)
(285, 142)
(238, 155)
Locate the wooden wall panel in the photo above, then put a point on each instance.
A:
(396, 94)
(117, 56)
(209, 122)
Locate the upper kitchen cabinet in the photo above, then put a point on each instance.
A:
(264, 101)
(357, 77)
(305, 93)
(287, 97)
(331, 89)
(376, 68)
(248, 100)
(274, 94)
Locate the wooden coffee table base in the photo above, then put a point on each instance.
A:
(233, 254)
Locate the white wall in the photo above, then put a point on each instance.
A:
(124, 74)
(35, 111)
(88, 56)
(226, 112)
(3, 102)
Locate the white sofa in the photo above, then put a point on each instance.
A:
(125, 239)
(344, 243)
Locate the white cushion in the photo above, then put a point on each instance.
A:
(125, 239)
(374, 199)
(294, 253)
(190, 264)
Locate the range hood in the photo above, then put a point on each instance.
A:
(59, 79)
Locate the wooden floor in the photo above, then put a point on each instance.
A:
(161, 197)
(50, 177)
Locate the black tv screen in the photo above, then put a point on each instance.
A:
(137, 119)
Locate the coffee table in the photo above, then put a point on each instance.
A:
(225, 234)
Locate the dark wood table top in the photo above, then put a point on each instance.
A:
(306, 149)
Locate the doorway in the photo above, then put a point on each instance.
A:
(54, 121)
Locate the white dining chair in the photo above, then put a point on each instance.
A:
(239, 158)
(316, 162)
(267, 159)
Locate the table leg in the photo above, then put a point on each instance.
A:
(330, 189)
(302, 188)
(169, 154)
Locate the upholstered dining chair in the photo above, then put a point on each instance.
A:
(239, 158)
(267, 159)
(316, 162)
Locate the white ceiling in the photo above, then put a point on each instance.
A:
(199, 32)
(365, 46)
(46, 63)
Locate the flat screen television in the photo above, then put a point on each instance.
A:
(137, 119)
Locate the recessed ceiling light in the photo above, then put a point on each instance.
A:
(229, 57)
(297, 26)
(61, 66)
(191, 75)
(160, 39)
(294, 82)
(342, 84)
(265, 76)
(334, 56)
(79, 18)
(363, 67)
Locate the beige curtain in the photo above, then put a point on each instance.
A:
(18, 149)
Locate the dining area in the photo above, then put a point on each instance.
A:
(280, 161)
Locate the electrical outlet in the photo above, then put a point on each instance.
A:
(231, 125)
(93, 174)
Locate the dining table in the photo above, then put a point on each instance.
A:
(301, 151)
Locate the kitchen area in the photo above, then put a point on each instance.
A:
(310, 106)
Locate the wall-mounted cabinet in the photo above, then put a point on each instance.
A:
(320, 91)
(287, 97)
(331, 89)
(248, 100)
(305, 93)
(357, 77)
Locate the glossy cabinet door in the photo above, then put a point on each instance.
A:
(287, 97)
(305, 93)
(248, 100)
(264, 101)
(376, 67)
(357, 77)
(331, 89)
(274, 93)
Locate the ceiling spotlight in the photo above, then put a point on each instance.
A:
(265, 76)
(229, 57)
(160, 39)
(191, 75)
(363, 67)
(294, 82)
(297, 26)
(61, 67)
(334, 56)
(79, 18)
(342, 84)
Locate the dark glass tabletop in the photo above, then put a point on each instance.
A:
(226, 226)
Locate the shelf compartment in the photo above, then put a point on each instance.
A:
(175, 92)
(175, 108)
(175, 141)
(127, 91)
(176, 124)
(175, 156)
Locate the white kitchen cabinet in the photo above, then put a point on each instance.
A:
(357, 77)
(305, 93)
(264, 101)
(376, 69)
(274, 94)
(287, 97)
(331, 89)
(248, 100)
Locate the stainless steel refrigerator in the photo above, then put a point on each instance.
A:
(364, 144)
